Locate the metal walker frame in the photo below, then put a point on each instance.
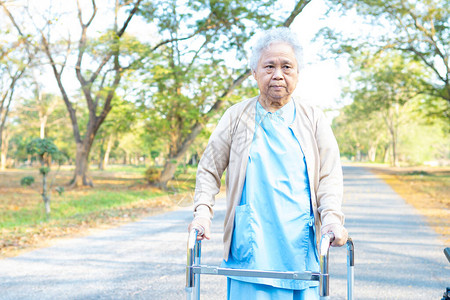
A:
(194, 269)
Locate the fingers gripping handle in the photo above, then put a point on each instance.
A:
(200, 230)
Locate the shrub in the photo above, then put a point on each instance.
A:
(152, 174)
(60, 190)
(27, 181)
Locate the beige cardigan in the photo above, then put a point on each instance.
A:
(229, 145)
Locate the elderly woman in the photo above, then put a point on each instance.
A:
(284, 178)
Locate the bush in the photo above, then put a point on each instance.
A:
(152, 174)
(44, 170)
(60, 190)
(27, 181)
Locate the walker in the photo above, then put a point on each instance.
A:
(194, 269)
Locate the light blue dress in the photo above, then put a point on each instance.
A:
(274, 223)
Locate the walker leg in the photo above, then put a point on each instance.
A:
(350, 268)
(324, 280)
(197, 259)
(193, 259)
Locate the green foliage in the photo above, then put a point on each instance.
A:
(44, 170)
(429, 142)
(187, 81)
(154, 154)
(27, 181)
(419, 29)
(366, 137)
(378, 123)
(384, 81)
(177, 75)
(42, 147)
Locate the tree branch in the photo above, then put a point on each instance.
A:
(297, 10)
(71, 110)
(197, 127)
(132, 12)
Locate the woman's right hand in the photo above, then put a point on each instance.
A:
(203, 225)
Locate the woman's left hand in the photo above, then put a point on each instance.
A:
(340, 234)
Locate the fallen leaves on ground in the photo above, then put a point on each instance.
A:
(427, 189)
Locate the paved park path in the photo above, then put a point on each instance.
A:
(397, 255)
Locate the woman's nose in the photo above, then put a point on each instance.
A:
(277, 74)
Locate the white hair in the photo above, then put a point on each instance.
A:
(275, 35)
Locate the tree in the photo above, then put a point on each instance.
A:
(41, 111)
(420, 29)
(192, 34)
(120, 120)
(45, 150)
(385, 83)
(99, 68)
(14, 60)
(194, 81)
(360, 136)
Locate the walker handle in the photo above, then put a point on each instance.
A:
(324, 282)
(325, 242)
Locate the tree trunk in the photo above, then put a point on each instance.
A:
(43, 123)
(168, 172)
(107, 152)
(372, 153)
(101, 155)
(394, 134)
(394, 152)
(386, 154)
(2, 161)
(174, 158)
(45, 195)
(4, 150)
(2, 153)
(82, 166)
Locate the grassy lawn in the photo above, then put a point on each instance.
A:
(120, 195)
(425, 188)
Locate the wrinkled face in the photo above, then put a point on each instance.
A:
(277, 74)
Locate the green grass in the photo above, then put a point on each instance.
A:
(121, 168)
(120, 194)
(113, 189)
(74, 207)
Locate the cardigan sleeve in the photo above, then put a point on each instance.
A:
(330, 188)
(213, 163)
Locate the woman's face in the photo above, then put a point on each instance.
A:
(277, 74)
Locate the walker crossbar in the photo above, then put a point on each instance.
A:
(202, 269)
(194, 269)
